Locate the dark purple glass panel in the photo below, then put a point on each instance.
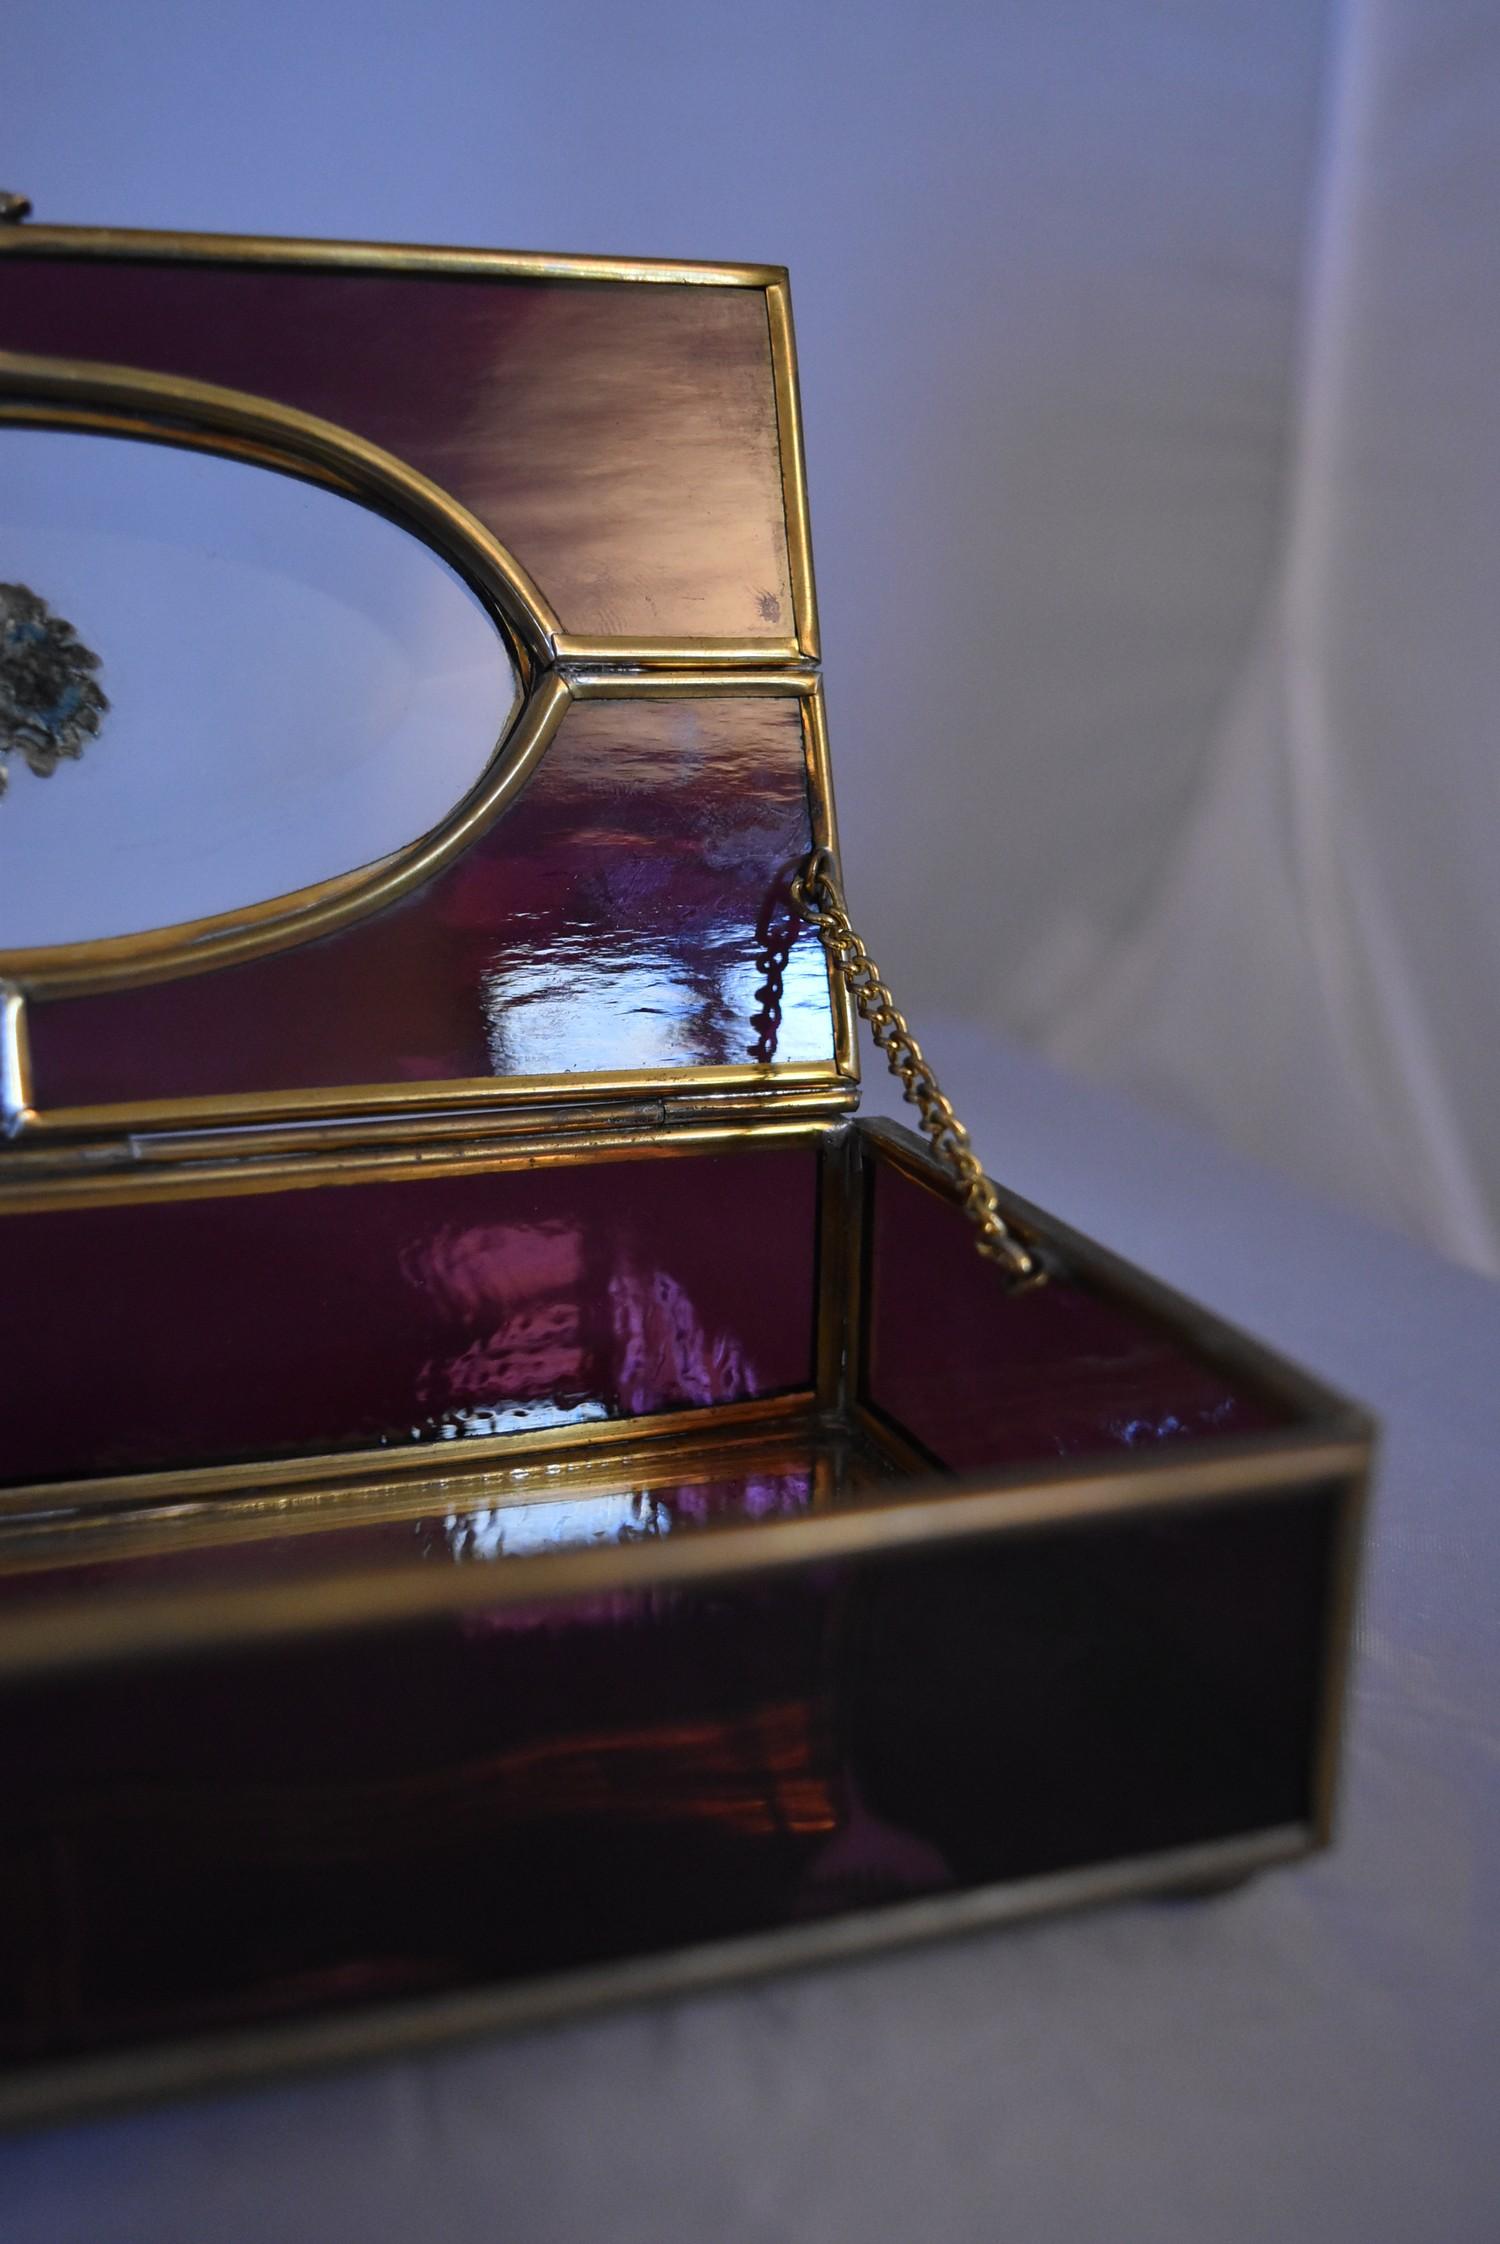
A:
(432, 1309)
(270, 1835)
(619, 915)
(620, 439)
(1001, 1378)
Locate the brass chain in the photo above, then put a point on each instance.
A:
(818, 897)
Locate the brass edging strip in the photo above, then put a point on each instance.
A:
(56, 1160)
(51, 1544)
(838, 1215)
(580, 1139)
(580, 1093)
(116, 421)
(859, 1254)
(793, 466)
(634, 1117)
(348, 1480)
(143, 245)
(731, 684)
(1017, 1503)
(626, 650)
(214, 2064)
(1338, 1649)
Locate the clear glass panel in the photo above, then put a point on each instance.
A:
(218, 684)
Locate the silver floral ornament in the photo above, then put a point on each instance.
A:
(51, 704)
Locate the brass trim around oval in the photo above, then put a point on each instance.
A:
(78, 394)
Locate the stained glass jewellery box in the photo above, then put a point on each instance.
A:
(512, 1496)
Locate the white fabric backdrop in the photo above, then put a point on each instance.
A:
(1319, 973)
(1149, 358)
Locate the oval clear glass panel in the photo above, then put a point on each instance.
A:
(218, 685)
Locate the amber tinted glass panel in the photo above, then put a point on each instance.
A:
(524, 1792)
(428, 1310)
(631, 910)
(620, 439)
(1004, 1378)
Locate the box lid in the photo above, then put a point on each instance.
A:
(291, 534)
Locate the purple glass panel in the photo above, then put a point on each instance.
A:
(619, 915)
(356, 1315)
(1003, 1379)
(620, 439)
(524, 1781)
(252, 1837)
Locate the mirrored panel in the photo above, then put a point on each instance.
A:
(219, 685)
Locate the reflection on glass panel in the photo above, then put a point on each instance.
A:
(642, 1006)
(539, 1326)
(218, 685)
(631, 909)
(646, 916)
(560, 1523)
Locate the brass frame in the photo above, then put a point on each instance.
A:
(557, 667)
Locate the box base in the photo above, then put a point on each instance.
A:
(1019, 1603)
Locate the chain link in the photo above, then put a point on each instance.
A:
(819, 899)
